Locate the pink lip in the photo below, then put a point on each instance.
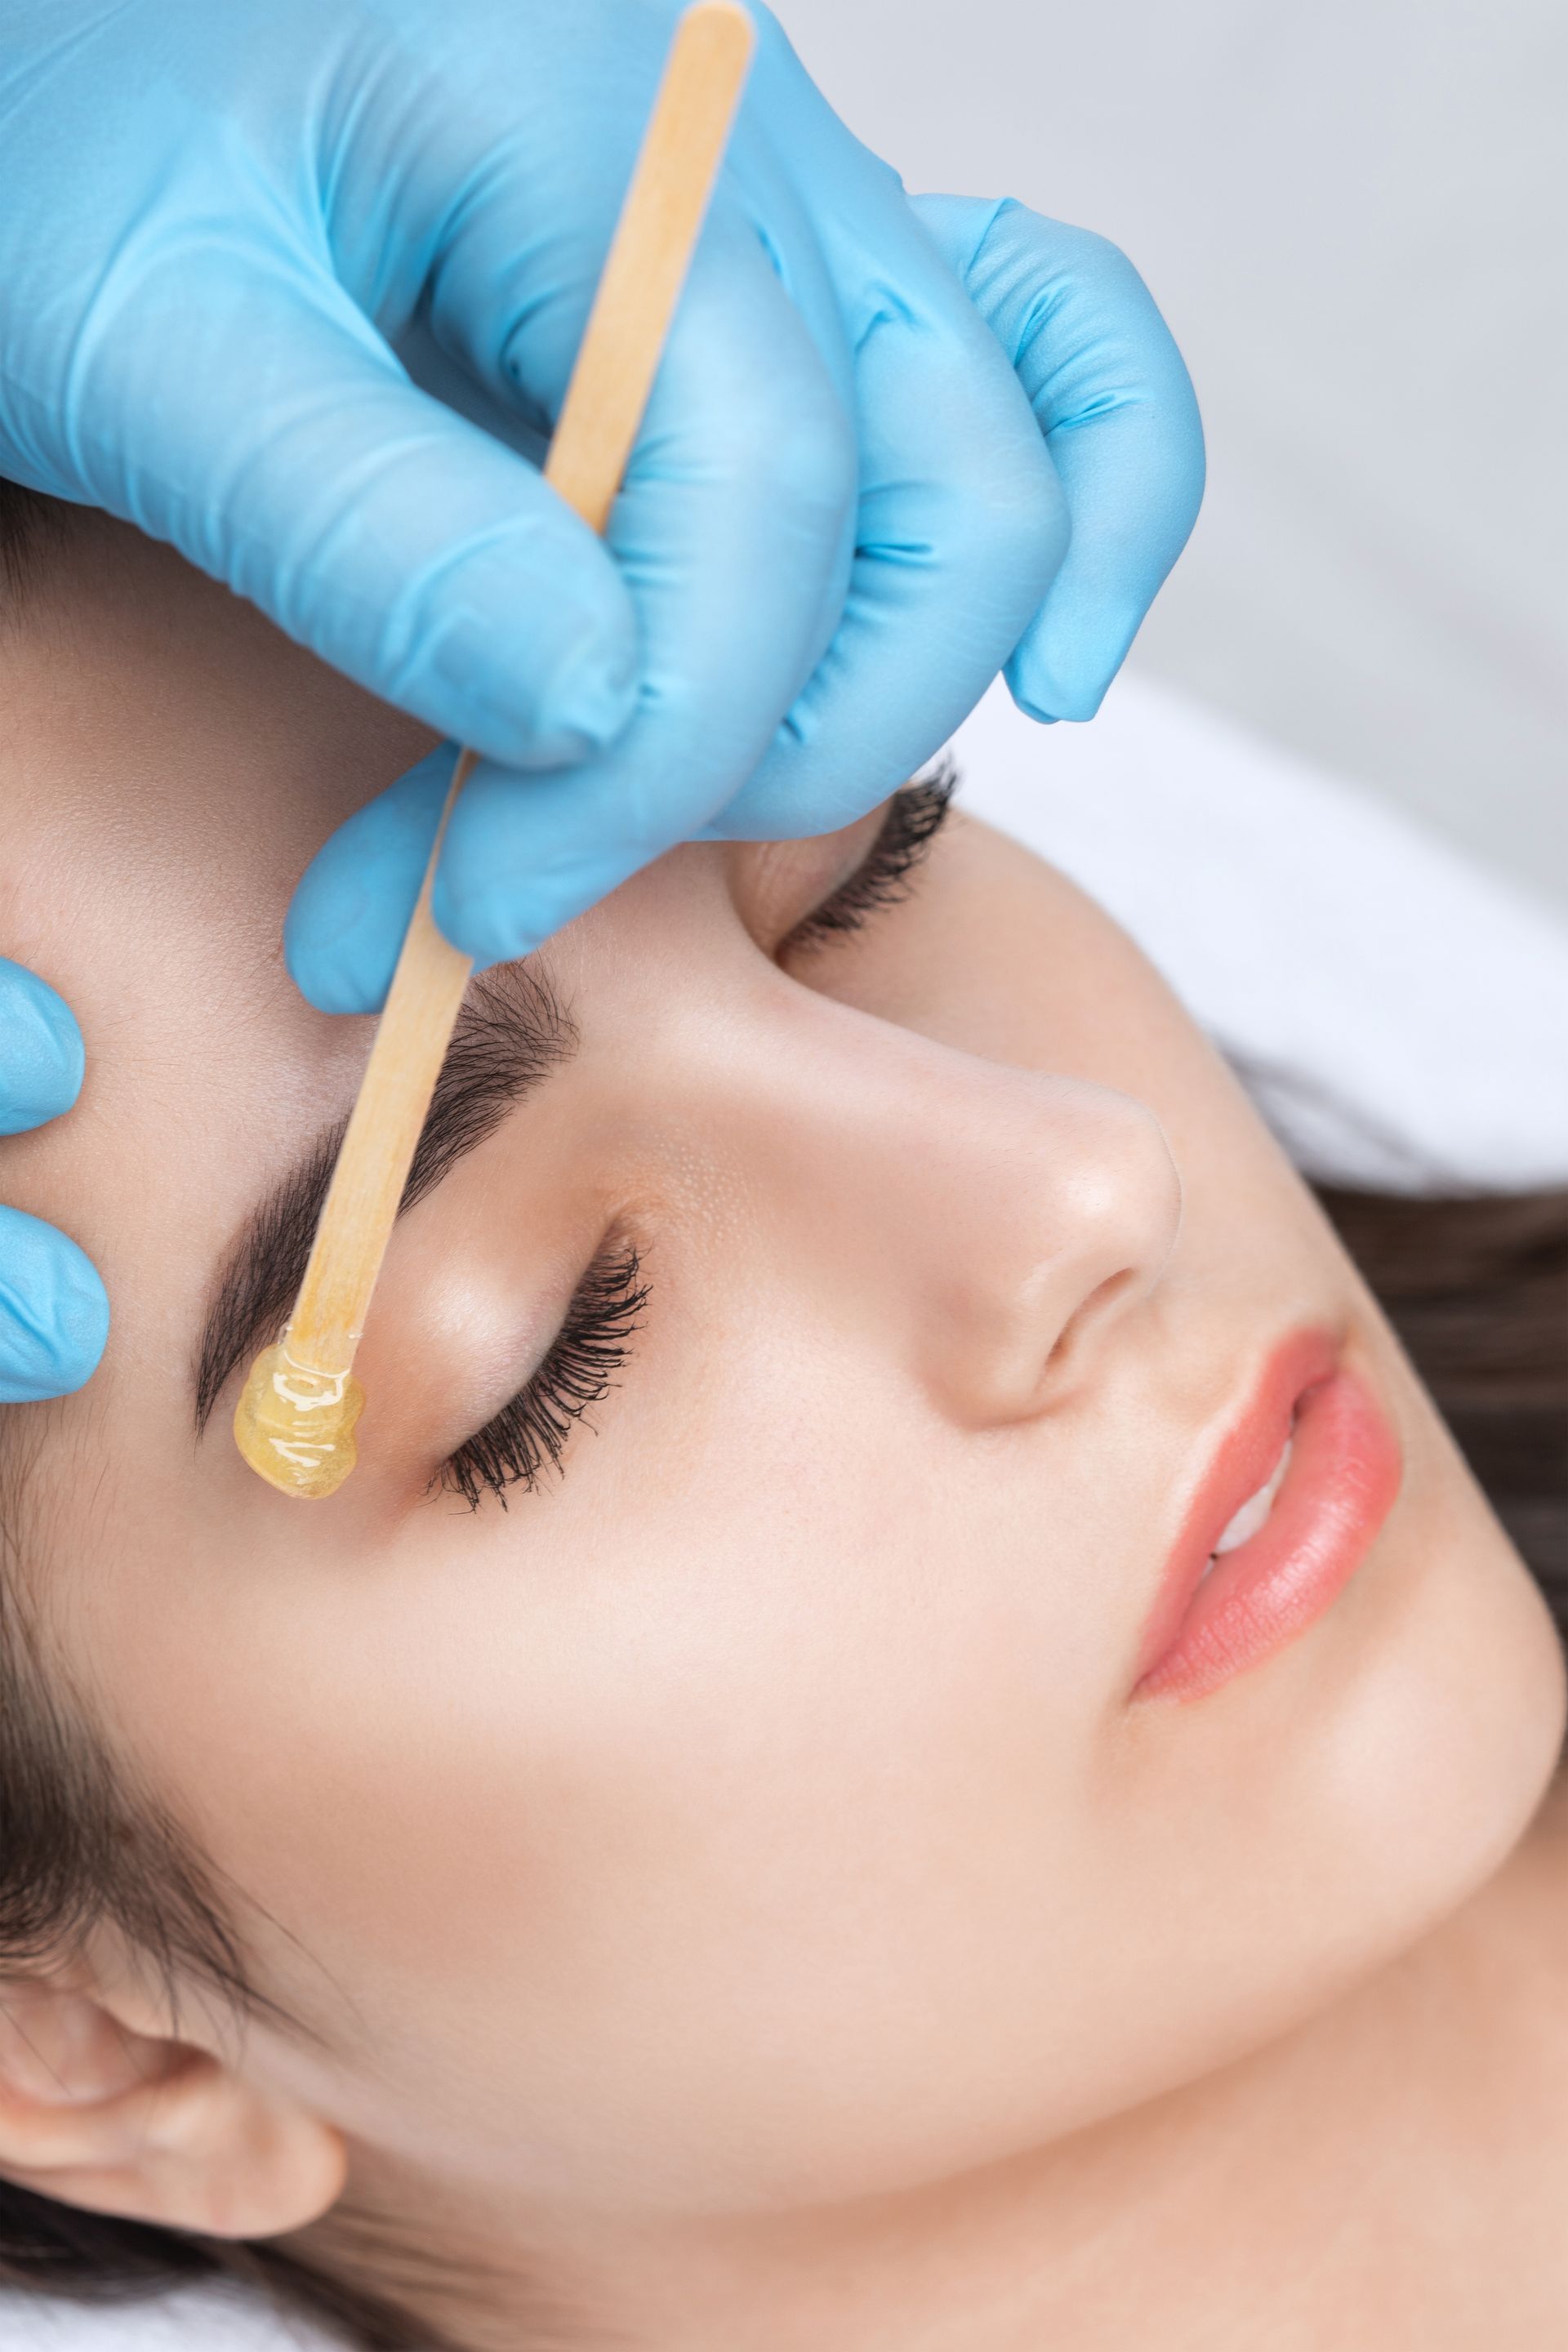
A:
(1343, 1475)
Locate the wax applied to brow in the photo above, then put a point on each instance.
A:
(296, 1426)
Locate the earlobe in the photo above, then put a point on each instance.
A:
(98, 2115)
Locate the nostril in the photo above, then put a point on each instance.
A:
(1088, 1317)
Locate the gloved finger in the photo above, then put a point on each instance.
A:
(41, 1058)
(512, 293)
(1121, 420)
(290, 455)
(960, 527)
(345, 927)
(54, 1313)
(733, 533)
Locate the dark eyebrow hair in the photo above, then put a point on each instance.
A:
(30, 524)
(511, 1032)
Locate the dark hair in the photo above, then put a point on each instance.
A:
(27, 521)
(80, 1846)
(1477, 1290)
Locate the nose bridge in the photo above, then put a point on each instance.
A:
(998, 1219)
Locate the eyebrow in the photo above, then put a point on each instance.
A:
(511, 1034)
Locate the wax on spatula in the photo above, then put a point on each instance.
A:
(295, 1420)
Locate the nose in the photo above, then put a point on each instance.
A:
(1002, 1222)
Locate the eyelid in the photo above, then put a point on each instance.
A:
(912, 820)
(772, 881)
(525, 1441)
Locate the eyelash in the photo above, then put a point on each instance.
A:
(885, 877)
(523, 1443)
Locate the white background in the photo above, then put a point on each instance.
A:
(1353, 214)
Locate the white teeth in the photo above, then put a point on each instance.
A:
(1256, 1508)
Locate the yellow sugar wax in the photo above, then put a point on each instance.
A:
(294, 1426)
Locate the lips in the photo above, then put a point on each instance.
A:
(1287, 1512)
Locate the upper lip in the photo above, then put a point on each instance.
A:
(1241, 1457)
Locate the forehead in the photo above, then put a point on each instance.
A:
(171, 765)
(169, 754)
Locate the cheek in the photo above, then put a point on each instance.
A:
(756, 1827)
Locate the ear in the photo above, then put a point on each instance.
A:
(99, 2110)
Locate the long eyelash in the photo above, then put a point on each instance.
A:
(915, 816)
(524, 1442)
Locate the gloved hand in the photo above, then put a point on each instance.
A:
(255, 258)
(54, 1316)
(296, 287)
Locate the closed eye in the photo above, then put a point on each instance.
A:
(523, 1444)
(885, 877)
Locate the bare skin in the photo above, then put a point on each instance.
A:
(739, 1898)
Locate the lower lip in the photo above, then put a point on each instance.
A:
(1343, 1475)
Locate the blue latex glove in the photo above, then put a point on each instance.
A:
(54, 1316)
(255, 257)
(296, 286)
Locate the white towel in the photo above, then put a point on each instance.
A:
(195, 2320)
(1400, 1017)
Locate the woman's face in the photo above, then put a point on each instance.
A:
(778, 1803)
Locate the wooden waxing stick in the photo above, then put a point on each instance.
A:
(294, 1422)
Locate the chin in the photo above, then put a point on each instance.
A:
(1361, 1787)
